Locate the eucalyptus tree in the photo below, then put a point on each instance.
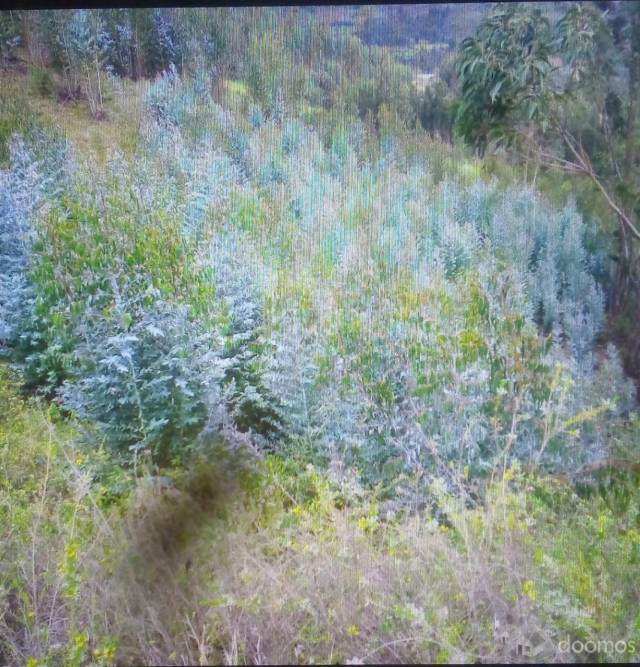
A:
(9, 36)
(566, 95)
(84, 46)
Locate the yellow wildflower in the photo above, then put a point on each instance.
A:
(529, 589)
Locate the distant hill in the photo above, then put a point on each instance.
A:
(402, 25)
(408, 24)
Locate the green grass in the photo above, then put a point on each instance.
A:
(286, 565)
(282, 562)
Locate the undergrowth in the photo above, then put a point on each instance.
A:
(275, 563)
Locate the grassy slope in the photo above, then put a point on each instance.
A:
(88, 135)
(281, 566)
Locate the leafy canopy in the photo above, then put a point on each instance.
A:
(504, 72)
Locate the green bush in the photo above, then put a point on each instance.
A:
(41, 81)
(16, 116)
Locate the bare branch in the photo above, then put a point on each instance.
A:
(582, 165)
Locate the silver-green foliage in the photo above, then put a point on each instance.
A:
(442, 385)
(445, 328)
(145, 376)
(35, 177)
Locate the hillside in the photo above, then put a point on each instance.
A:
(292, 374)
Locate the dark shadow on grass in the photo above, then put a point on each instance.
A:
(164, 525)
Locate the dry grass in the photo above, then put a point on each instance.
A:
(261, 580)
(91, 137)
(270, 568)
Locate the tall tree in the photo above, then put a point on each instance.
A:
(9, 35)
(568, 96)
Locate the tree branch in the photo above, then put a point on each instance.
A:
(582, 165)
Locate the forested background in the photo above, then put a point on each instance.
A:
(320, 334)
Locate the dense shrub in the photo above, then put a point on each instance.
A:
(287, 260)
(19, 196)
(452, 330)
(32, 182)
(144, 378)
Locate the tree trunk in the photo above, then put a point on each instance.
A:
(634, 67)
